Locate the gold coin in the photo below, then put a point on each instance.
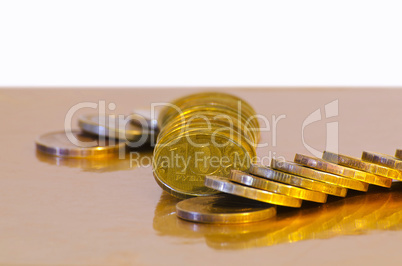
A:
(373, 171)
(207, 125)
(224, 185)
(228, 106)
(297, 169)
(217, 113)
(211, 117)
(224, 209)
(171, 138)
(182, 163)
(222, 100)
(384, 160)
(275, 187)
(355, 178)
(298, 181)
(209, 97)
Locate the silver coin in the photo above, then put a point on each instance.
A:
(77, 144)
(117, 127)
(224, 209)
(143, 116)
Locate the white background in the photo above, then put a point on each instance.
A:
(200, 43)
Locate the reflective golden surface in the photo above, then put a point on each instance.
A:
(56, 212)
(357, 214)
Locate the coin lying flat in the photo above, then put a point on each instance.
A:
(373, 170)
(383, 160)
(224, 209)
(275, 187)
(59, 144)
(354, 178)
(297, 169)
(298, 181)
(118, 127)
(224, 185)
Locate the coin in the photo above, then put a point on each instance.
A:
(298, 181)
(182, 163)
(177, 194)
(118, 127)
(215, 98)
(383, 160)
(59, 144)
(250, 120)
(213, 132)
(398, 154)
(212, 116)
(297, 169)
(224, 209)
(276, 187)
(143, 116)
(354, 178)
(373, 171)
(208, 126)
(224, 185)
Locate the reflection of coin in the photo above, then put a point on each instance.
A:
(224, 209)
(294, 180)
(118, 127)
(58, 144)
(276, 187)
(91, 164)
(224, 185)
(383, 160)
(354, 178)
(372, 177)
(181, 167)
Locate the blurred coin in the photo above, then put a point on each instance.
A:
(224, 185)
(118, 127)
(354, 178)
(143, 116)
(59, 144)
(294, 180)
(275, 187)
(224, 209)
(373, 170)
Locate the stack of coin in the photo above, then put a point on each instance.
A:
(203, 134)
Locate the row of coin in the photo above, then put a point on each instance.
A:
(193, 130)
(288, 184)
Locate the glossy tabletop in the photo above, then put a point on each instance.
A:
(57, 211)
